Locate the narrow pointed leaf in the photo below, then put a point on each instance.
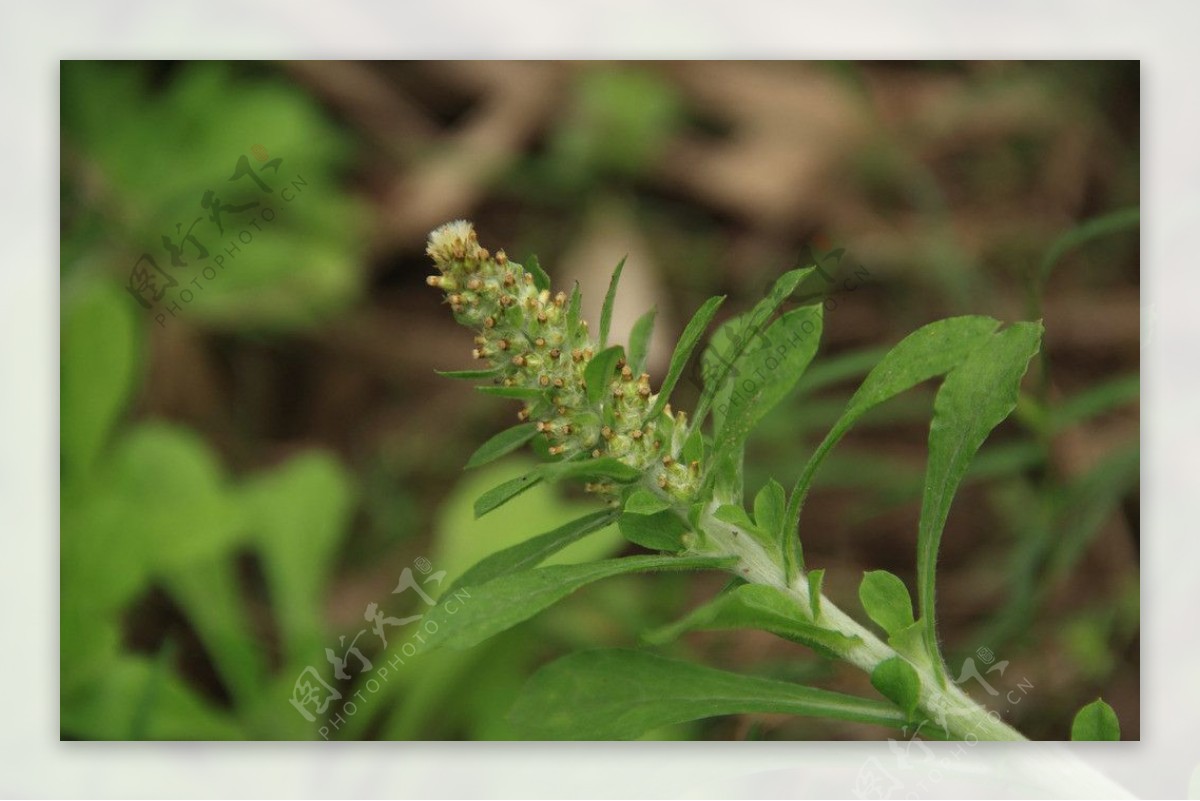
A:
(598, 375)
(621, 694)
(532, 552)
(607, 467)
(815, 579)
(683, 350)
(771, 370)
(487, 609)
(693, 446)
(470, 375)
(726, 473)
(639, 341)
(540, 279)
(720, 362)
(513, 393)
(756, 606)
(573, 309)
(975, 397)
(502, 494)
(610, 299)
(502, 444)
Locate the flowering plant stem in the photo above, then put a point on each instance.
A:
(939, 700)
(676, 486)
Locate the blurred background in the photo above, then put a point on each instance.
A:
(262, 473)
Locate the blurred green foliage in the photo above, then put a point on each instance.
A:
(149, 505)
(619, 121)
(141, 149)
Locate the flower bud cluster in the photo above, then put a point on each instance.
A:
(539, 352)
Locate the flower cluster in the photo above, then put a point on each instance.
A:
(538, 350)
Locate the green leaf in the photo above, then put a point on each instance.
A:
(471, 375)
(1087, 502)
(514, 393)
(898, 681)
(540, 279)
(659, 532)
(639, 341)
(304, 271)
(621, 694)
(114, 707)
(769, 507)
(886, 600)
(299, 513)
(721, 358)
(736, 516)
(815, 579)
(1096, 721)
(910, 643)
(460, 540)
(1095, 401)
(209, 593)
(158, 501)
(693, 446)
(180, 507)
(101, 345)
(757, 606)
(598, 375)
(573, 310)
(533, 552)
(617, 122)
(644, 502)
(1092, 229)
(490, 608)
(605, 468)
(974, 398)
(502, 444)
(927, 352)
(502, 494)
(683, 351)
(610, 298)
(770, 372)
(726, 474)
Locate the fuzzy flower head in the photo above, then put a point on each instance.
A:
(538, 350)
(454, 240)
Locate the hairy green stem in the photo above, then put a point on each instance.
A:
(946, 704)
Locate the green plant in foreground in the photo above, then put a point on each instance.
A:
(675, 488)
